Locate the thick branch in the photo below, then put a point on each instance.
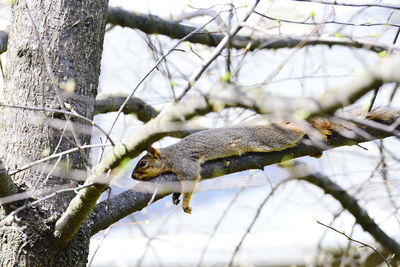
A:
(350, 203)
(153, 24)
(111, 103)
(136, 198)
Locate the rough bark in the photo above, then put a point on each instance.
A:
(71, 38)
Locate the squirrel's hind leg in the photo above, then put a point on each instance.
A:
(188, 173)
(188, 188)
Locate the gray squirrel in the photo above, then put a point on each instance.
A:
(185, 157)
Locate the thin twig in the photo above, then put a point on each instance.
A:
(346, 251)
(300, 45)
(353, 4)
(104, 235)
(60, 154)
(326, 22)
(357, 241)
(261, 206)
(154, 236)
(351, 204)
(323, 235)
(223, 215)
(217, 51)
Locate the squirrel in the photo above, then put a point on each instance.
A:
(185, 157)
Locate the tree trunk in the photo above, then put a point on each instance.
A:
(53, 62)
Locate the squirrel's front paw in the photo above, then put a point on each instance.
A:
(187, 209)
(175, 198)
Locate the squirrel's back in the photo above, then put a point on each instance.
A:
(224, 142)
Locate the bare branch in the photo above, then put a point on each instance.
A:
(217, 51)
(198, 13)
(53, 156)
(153, 24)
(387, 70)
(111, 103)
(327, 22)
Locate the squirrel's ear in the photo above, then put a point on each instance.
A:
(154, 152)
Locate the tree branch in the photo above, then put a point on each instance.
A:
(144, 112)
(140, 195)
(387, 70)
(111, 103)
(361, 215)
(325, 22)
(151, 24)
(353, 4)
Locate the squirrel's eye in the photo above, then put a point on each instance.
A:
(143, 163)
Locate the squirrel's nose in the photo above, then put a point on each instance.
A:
(133, 175)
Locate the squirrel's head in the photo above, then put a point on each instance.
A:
(149, 166)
